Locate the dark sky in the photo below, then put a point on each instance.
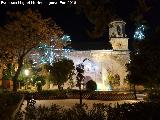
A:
(75, 24)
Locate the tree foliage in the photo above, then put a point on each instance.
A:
(144, 68)
(71, 80)
(91, 85)
(101, 12)
(80, 79)
(40, 79)
(24, 31)
(8, 72)
(98, 12)
(139, 13)
(114, 79)
(61, 71)
(80, 76)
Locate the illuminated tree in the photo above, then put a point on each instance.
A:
(66, 41)
(139, 33)
(24, 31)
(61, 71)
(43, 53)
(26, 74)
(7, 73)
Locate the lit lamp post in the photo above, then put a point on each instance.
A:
(26, 72)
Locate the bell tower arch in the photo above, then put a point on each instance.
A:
(117, 35)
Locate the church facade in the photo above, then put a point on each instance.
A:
(106, 67)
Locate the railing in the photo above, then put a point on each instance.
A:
(91, 96)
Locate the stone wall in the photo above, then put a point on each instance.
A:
(98, 63)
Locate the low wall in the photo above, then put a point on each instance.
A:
(91, 96)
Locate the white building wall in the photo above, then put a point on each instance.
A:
(99, 63)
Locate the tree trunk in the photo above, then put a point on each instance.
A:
(130, 85)
(80, 99)
(134, 91)
(60, 88)
(15, 77)
(3, 84)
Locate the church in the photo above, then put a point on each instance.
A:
(106, 67)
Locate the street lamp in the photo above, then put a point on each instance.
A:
(26, 72)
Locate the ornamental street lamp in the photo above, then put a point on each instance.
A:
(26, 72)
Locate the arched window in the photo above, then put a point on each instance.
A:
(119, 30)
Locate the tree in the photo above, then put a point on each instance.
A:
(8, 71)
(71, 80)
(100, 12)
(36, 75)
(24, 31)
(144, 64)
(91, 85)
(143, 68)
(114, 80)
(61, 71)
(24, 78)
(39, 81)
(80, 78)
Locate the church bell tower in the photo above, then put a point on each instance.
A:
(117, 35)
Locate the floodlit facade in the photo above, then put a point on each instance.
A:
(105, 67)
(102, 65)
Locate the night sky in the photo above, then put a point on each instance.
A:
(75, 25)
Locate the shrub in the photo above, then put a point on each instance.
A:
(91, 85)
(39, 87)
(153, 96)
(8, 102)
(126, 111)
(56, 112)
(135, 111)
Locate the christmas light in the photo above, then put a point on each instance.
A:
(50, 54)
(139, 33)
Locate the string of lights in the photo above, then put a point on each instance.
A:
(139, 33)
(49, 54)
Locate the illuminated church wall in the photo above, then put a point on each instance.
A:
(99, 63)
